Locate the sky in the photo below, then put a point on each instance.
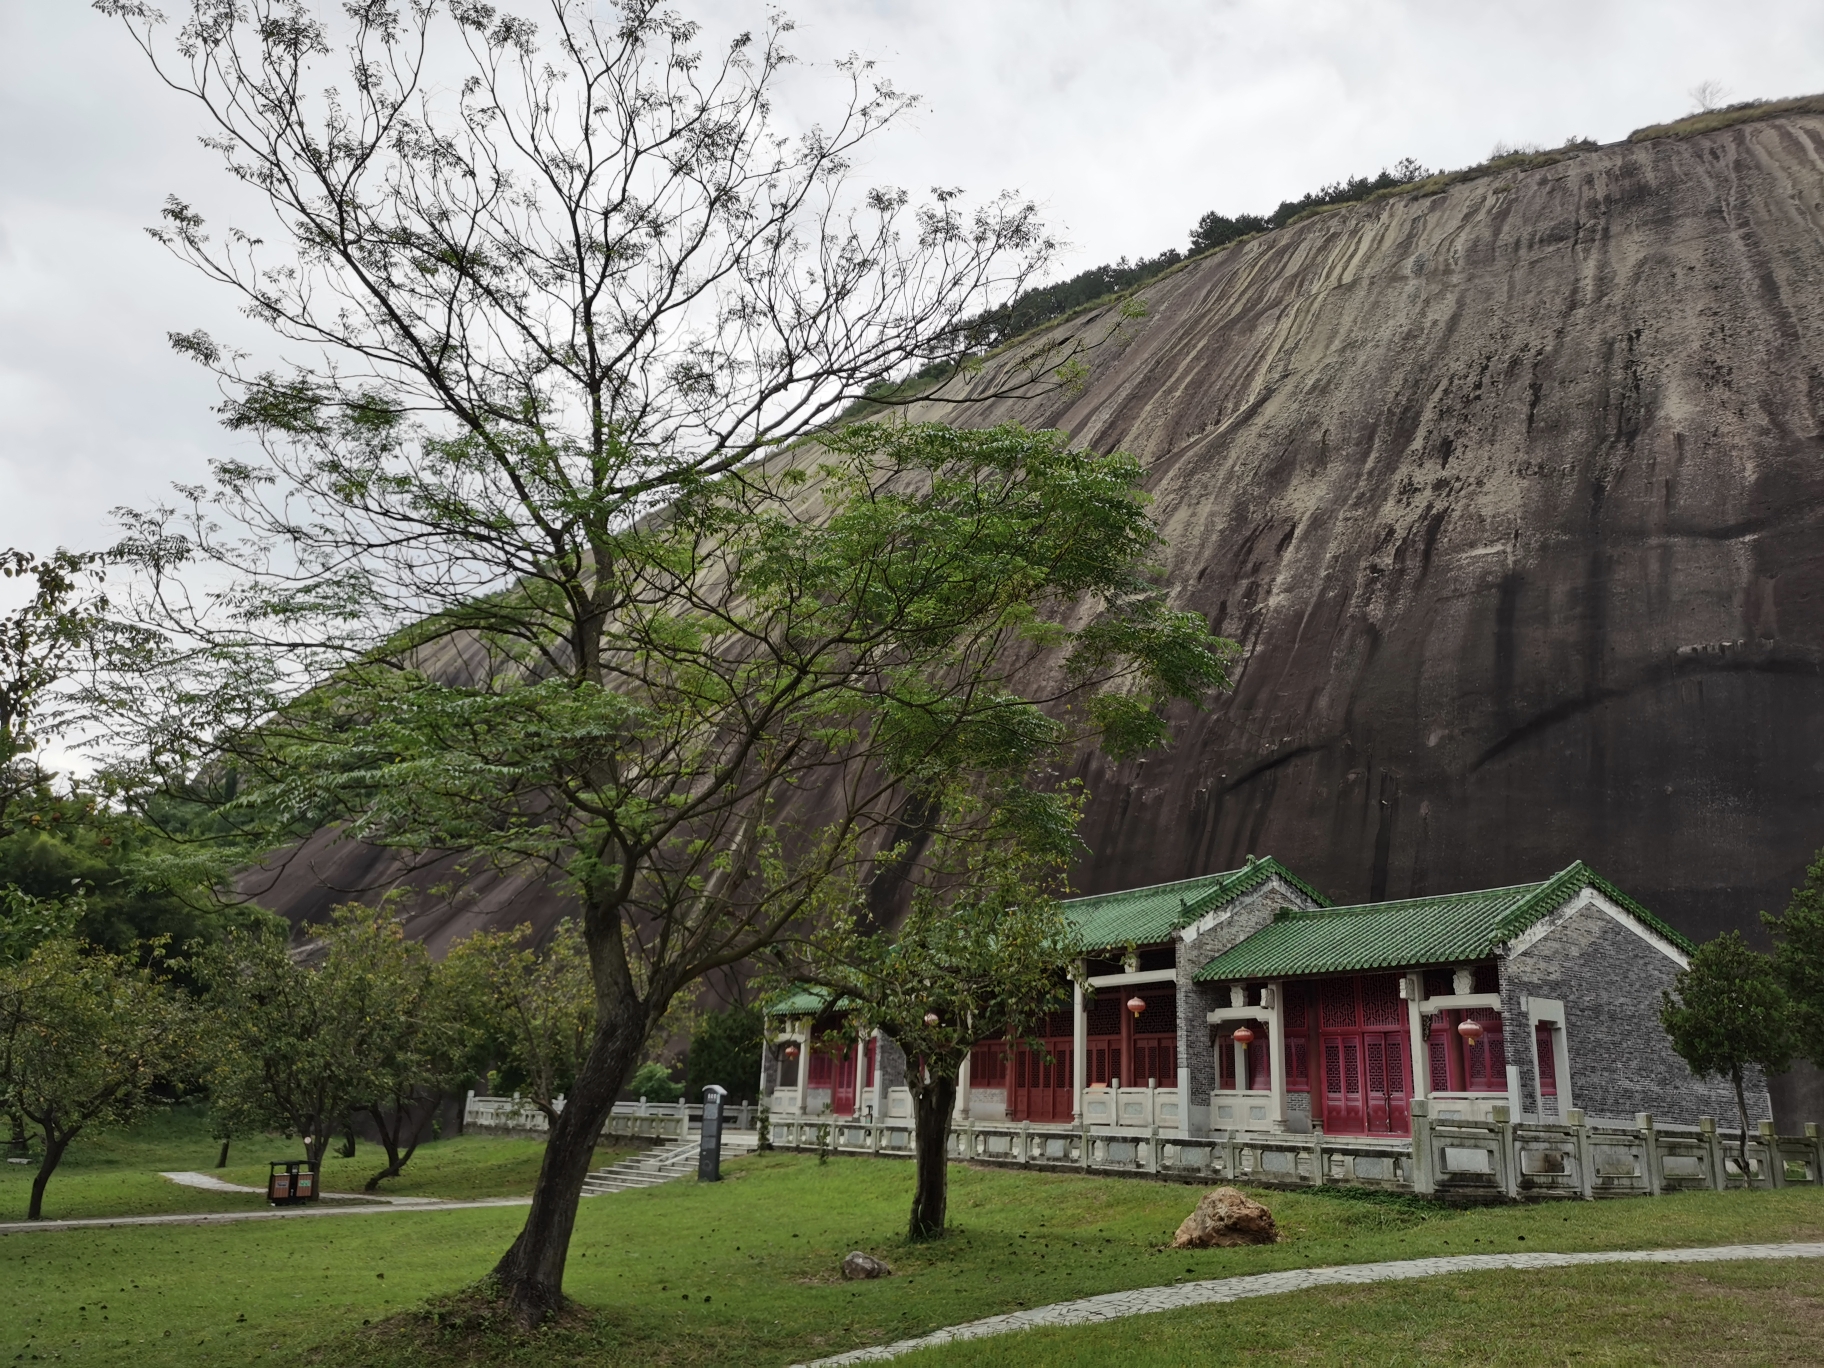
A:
(1127, 120)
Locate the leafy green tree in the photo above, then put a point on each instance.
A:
(983, 954)
(282, 1055)
(725, 1050)
(86, 1038)
(486, 636)
(653, 1081)
(1727, 1012)
(397, 1007)
(529, 1010)
(1798, 935)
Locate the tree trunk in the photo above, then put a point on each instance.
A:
(531, 1273)
(221, 1160)
(54, 1147)
(394, 1136)
(1741, 1111)
(933, 1101)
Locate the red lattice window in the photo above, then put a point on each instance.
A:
(988, 1065)
(1161, 1014)
(1337, 1002)
(1296, 994)
(1298, 1064)
(1333, 1068)
(1440, 1063)
(1352, 1068)
(1381, 1000)
(1104, 1012)
(1396, 1071)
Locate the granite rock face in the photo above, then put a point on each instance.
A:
(1514, 496)
(1225, 1218)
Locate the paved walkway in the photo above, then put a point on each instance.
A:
(297, 1213)
(1145, 1300)
(208, 1182)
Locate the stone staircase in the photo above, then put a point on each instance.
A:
(662, 1163)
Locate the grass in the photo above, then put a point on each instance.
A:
(1760, 1313)
(1750, 111)
(747, 1270)
(116, 1173)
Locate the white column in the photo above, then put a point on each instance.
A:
(803, 1038)
(1079, 1040)
(1413, 989)
(880, 1091)
(962, 1086)
(861, 1070)
(1276, 1053)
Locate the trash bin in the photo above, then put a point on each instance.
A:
(290, 1181)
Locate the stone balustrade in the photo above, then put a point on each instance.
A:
(1490, 1160)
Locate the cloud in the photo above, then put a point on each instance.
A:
(1126, 118)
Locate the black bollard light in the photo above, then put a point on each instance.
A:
(709, 1147)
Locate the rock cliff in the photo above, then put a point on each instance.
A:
(1514, 495)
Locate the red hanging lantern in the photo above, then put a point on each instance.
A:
(1470, 1029)
(930, 1018)
(1136, 1004)
(791, 1051)
(1244, 1036)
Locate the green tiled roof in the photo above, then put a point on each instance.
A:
(806, 1002)
(1145, 916)
(1450, 929)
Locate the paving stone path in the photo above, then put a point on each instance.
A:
(1145, 1300)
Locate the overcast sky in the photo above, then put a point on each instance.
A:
(1127, 120)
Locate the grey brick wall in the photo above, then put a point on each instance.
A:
(1609, 980)
(1233, 924)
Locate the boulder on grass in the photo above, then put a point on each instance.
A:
(855, 1264)
(1225, 1218)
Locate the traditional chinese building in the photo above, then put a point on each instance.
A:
(1243, 1001)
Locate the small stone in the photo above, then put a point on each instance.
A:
(1225, 1218)
(855, 1265)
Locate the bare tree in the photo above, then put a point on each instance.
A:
(1708, 95)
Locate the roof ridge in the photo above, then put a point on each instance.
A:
(1351, 908)
(1578, 874)
(1154, 888)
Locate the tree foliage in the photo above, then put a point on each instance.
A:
(530, 1012)
(87, 1039)
(1728, 1012)
(300, 1046)
(983, 953)
(725, 1051)
(1798, 934)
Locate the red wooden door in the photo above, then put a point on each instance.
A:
(842, 1087)
(1366, 1082)
(1041, 1085)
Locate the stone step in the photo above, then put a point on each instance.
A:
(661, 1164)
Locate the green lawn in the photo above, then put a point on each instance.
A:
(1748, 1313)
(116, 1173)
(746, 1271)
